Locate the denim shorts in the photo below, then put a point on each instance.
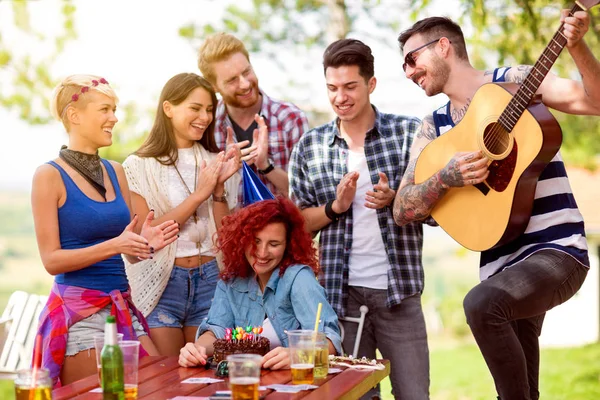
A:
(187, 297)
(81, 334)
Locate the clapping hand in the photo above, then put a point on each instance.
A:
(382, 195)
(248, 154)
(161, 235)
(209, 174)
(232, 162)
(132, 244)
(345, 192)
(260, 139)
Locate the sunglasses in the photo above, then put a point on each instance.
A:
(412, 61)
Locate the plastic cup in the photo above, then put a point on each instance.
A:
(244, 375)
(131, 357)
(41, 388)
(302, 354)
(321, 355)
(98, 345)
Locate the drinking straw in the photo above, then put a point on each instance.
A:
(318, 317)
(37, 363)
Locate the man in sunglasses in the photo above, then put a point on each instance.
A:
(343, 175)
(547, 264)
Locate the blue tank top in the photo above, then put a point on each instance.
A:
(555, 222)
(84, 222)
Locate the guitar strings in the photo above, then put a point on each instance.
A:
(496, 136)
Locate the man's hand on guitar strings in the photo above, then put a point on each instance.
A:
(465, 169)
(575, 26)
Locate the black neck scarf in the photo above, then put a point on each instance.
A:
(88, 165)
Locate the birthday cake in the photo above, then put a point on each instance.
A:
(240, 342)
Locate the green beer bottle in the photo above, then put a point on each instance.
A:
(113, 383)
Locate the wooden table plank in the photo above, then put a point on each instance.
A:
(161, 377)
(349, 384)
(172, 386)
(267, 377)
(91, 382)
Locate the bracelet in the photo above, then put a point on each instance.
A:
(332, 215)
(265, 171)
(220, 199)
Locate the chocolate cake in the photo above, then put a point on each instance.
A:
(223, 347)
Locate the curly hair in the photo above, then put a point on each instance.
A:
(239, 230)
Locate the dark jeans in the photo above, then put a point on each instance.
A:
(506, 312)
(399, 334)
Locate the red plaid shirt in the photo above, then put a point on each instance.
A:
(286, 124)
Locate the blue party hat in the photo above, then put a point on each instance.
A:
(254, 189)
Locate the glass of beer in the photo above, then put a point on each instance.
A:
(98, 345)
(321, 355)
(131, 356)
(26, 388)
(302, 354)
(244, 375)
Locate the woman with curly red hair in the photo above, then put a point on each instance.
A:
(269, 280)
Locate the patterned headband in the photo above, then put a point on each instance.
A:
(84, 89)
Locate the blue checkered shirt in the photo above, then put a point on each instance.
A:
(317, 165)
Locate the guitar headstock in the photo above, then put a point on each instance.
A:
(587, 4)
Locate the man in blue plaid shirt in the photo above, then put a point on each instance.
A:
(343, 175)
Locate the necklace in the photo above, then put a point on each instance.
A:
(189, 192)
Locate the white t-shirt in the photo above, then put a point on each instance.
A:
(368, 258)
(191, 234)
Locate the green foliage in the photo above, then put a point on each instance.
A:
(31, 82)
(269, 26)
(516, 32)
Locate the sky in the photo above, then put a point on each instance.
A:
(135, 45)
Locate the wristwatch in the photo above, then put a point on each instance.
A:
(270, 168)
(221, 199)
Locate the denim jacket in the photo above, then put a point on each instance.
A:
(289, 301)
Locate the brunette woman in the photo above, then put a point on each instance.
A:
(180, 174)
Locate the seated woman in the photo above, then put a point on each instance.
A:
(83, 223)
(269, 280)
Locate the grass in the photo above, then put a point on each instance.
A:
(460, 373)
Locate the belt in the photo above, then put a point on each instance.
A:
(192, 261)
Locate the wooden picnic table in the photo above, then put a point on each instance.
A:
(160, 378)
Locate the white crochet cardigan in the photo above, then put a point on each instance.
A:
(149, 179)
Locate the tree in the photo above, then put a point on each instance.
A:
(279, 30)
(26, 80)
(516, 32)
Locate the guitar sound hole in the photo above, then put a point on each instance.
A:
(496, 139)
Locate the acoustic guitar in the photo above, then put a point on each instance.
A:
(519, 136)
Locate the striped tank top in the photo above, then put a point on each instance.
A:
(555, 223)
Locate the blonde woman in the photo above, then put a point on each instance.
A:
(83, 224)
(179, 173)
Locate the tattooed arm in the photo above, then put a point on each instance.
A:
(566, 95)
(414, 202)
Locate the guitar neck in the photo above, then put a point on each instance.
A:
(520, 101)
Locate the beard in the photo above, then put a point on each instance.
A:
(438, 76)
(233, 101)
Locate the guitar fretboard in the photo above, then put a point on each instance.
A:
(517, 105)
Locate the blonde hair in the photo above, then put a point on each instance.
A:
(71, 91)
(218, 47)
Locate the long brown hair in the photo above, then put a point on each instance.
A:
(161, 143)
